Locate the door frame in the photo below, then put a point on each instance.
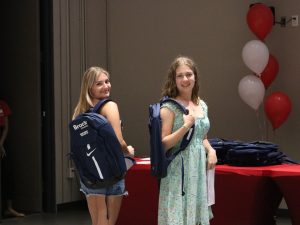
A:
(47, 103)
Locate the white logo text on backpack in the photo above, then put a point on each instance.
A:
(84, 133)
(81, 125)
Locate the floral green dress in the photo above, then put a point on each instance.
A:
(191, 208)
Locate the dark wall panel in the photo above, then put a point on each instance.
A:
(20, 86)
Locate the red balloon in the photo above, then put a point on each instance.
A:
(260, 20)
(277, 108)
(270, 71)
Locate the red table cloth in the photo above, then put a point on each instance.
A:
(244, 195)
(287, 177)
(140, 206)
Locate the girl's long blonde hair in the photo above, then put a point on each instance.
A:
(170, 88)
(85, 100)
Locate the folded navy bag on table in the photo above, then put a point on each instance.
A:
(258, 153)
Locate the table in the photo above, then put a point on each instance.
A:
(141, 205)
(244, 195)
(287, 177)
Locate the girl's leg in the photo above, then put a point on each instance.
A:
(113, 207)
(10, 211)
(98, 209)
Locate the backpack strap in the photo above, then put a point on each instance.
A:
(175, 102)
(188, 136)
(99, 105)
(185, 140)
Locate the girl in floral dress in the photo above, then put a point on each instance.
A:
(185, 202)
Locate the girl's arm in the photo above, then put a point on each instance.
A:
(3, 137)
(170, 139)
(4, 131)
(111, 112)
(211, 154)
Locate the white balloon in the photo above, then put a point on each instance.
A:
(256, 56)
(252, 91)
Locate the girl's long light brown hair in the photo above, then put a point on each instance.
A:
(85, 100)
(170, 88)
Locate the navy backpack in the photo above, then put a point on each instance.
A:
(95, 149)
(159, 158)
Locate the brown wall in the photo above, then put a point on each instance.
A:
(284, 44)
(146, 36)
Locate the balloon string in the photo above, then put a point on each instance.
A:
(259, 125)
(266, 128)
(265, 123)
(274, 134)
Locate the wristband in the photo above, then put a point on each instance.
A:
(185, 127)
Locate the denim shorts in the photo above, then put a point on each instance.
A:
(117, 189)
